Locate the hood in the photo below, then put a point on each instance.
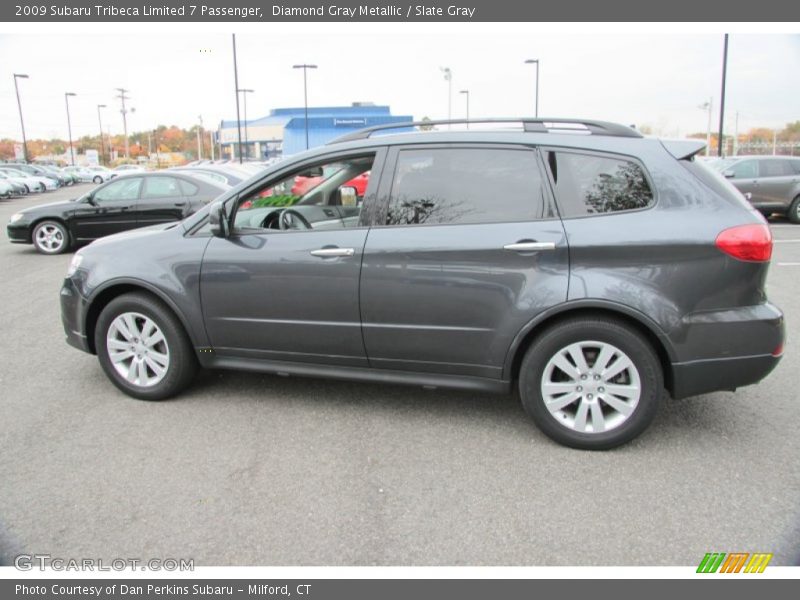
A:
(133, 235)
(62, 204)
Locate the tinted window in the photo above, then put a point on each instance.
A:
(588, 184)
(123, 189)
(444, 186)
(774, 168)
(189, 189)
(744, 169)
(161, 187)
(795, 164)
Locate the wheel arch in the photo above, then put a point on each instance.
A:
(588, 308)
(102, 296)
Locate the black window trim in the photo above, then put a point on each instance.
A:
(600, 154)
(390, 168)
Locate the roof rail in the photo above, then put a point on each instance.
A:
(543, 125)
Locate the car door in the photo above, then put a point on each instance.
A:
(466, 251)
(292, 294)
(161, 201)
(111, 208)
(777, 181)
(744, 175)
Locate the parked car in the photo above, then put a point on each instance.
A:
(36, 171)
(770, 183)
(32, 183)
(123, 203)
(217, 172)
(16, 184)
(6, 189)
(590, 269)
(101, 174)
(126, 169)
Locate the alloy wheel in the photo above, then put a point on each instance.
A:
(50, 238)
(138, 349)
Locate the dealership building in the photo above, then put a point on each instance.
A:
(283, 131)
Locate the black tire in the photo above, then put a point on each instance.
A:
(605, 331)
(51, 245)
(27, 189)
(182, 359)
(98, 179)
(794, 211)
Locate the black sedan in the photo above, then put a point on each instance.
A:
(124, 203)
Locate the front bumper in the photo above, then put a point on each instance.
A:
(19, 233)
(73, 312)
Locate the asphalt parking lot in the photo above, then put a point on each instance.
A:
(245, 469)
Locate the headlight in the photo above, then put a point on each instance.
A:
(16, 217)
(76, 262)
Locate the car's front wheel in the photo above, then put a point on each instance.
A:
(591, 383)
(98, 179)
(50, 237)
(143, 347)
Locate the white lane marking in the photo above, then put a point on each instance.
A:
(786, 241)
(789, 264)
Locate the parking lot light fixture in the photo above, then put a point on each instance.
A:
(532, 61)
(69, 128)
(466, 94)
(21, 121)
(305, 68)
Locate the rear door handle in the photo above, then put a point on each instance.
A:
(333, 252)
(530, 246)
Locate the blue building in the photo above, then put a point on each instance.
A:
(283, 131)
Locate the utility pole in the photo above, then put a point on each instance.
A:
(199, 138)
(305, 68)
(211, 143)
(722, 98)
(102, 145)
(69, 128)
(736, 135)
(124, 111)
(774, 142)
(709, 107)
(236, 88)
(448, 77)
(246, 142)
(21, 120)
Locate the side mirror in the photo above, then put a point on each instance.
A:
(348, 196)
(218, 220)
(89, 199)
(728, 173)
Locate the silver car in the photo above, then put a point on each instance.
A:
(771, 183)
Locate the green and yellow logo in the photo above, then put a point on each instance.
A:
(734, 562)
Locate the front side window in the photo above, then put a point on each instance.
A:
(323, 196)
(121, 190)
(444, 186)
(161, 187)
(746, 169)
(587, 184)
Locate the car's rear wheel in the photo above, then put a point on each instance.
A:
(98, 179)
(794, 211)
(143, 347)
(50, 237)
(591, 383)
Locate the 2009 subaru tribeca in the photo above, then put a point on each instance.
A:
(576, 261)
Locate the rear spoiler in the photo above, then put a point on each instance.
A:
(683, 149)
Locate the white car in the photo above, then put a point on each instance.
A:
(5, 189)
(100, 174)
(126, 169)
(32, 182)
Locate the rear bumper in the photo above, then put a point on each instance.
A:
(725, 350)
(727, 374)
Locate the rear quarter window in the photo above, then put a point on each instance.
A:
(592, 184)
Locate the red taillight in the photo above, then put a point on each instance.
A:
(778, 351)
(747, 242)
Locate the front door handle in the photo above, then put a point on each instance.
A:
(333, 252)
(530, 246)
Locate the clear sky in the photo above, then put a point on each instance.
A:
(655, 78)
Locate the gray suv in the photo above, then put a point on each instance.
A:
(577, 262)
(771, 183)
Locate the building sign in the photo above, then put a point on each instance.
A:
(350, 122)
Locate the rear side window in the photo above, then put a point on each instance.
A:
(587, 184)
(442, 186)
(189, 189)
(775, 167)
(161, 187)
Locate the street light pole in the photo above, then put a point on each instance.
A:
(244, 95)
(448, 77)
(200, 138)
(21, 121)
(466, 93)
(102, 145)
(69, 128)
(535, 61)
(722, 99)
(236, 87)
(305, 68)
(708, 106)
